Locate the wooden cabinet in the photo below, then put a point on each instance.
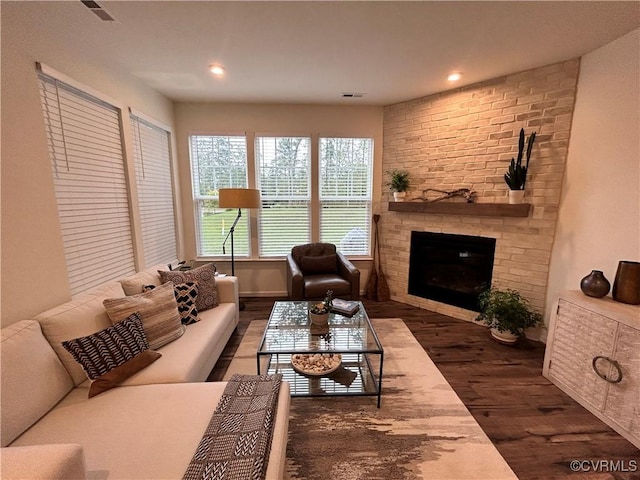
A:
(593, 355)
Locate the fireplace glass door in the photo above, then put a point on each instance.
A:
(452, 269)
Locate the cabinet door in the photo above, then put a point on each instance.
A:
(623, 400)
(580, 335)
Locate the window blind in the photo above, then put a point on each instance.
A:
(152, 159)
(346, 167)
(284, 176)
(85, 149)
(218, 161)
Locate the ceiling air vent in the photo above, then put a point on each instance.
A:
(98, 10)
(352, 95)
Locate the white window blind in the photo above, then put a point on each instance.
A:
(85, 149)
(152, 159)
(284, 176)
(346, 168)
(218, 161)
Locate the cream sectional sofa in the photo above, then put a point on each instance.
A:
(147, 428)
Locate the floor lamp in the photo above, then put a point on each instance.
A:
(237, 198)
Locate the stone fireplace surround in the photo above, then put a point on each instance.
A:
(465, 138)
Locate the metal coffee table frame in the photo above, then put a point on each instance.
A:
(289, 331)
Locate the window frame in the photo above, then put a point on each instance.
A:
(111, 252)
(302, 199)
(163, 170)
(244, 224)
(366, 198)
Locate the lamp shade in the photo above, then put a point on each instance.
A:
(239, 198)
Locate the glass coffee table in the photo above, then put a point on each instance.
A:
(289, 334)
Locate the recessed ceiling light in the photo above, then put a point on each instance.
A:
(454, 77)
(216, 69)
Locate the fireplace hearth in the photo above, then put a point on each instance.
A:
(452, 269)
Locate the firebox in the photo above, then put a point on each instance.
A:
(452, 269)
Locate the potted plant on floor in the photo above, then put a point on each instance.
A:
(399, 184)
(516, 176)
(507, 314)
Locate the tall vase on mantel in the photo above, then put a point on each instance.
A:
(626, 286)
(516, 196)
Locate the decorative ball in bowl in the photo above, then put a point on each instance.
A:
(316, 363)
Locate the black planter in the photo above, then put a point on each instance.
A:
(595, 284)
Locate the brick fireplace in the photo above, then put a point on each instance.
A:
(465, 138)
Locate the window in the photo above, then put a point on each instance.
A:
(85, 149)
(283, 167)
(285, 173)
(346, 166)
(218, 162)
(152, 158)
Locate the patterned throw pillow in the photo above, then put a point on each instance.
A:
(158, 310)
(186, 296)
(112, 355)
(203, 276)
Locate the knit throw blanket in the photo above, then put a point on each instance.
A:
(237, 442)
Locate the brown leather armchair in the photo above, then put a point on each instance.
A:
(314, 268)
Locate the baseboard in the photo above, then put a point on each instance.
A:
(263, 294)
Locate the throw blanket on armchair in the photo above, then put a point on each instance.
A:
(237, 442)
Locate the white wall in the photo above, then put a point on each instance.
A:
(268, 278)
(599, 218)
(33, 268)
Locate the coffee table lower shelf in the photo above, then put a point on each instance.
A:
(360, 374)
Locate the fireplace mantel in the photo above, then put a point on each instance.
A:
(459, 208)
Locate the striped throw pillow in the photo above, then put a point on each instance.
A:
(158, 310)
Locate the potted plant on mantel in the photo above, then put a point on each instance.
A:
(516, 176)
(507, 314)
(399, 184)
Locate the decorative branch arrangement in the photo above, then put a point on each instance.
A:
(467, 194)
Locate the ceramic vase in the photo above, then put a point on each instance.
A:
(626, 286)
(399, 196)
(516, 196)
(595, 284)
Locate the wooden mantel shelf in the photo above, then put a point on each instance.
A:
(459, 208)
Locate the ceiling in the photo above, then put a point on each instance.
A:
(313, 52)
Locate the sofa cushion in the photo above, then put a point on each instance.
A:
(186, 297)
(28, 365)
(204, 276)
(82, 316)
(312, 265)
(44, 462)
(134, 284)
(192, 357)
(158, 310)
(142, 432)
(114, 354)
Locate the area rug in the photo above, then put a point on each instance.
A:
(422, 430)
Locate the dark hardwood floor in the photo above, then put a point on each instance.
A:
(536, 427)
